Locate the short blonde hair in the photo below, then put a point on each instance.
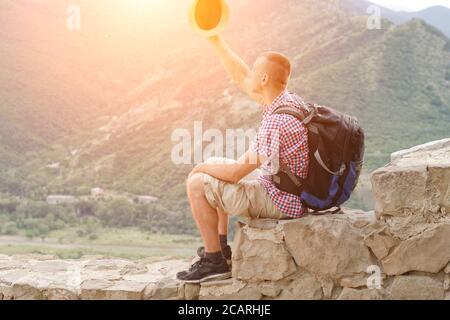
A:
(280, 66)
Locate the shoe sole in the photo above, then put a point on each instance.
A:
(221, 276)
(186, 272)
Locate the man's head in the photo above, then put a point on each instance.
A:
(271, 70)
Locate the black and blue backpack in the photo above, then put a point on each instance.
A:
(336, 152)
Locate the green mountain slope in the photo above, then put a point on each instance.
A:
(55, 82)
(396, 84)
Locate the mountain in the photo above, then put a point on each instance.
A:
(56, 82)
(396, 80)
(436, 16)
(46, 67)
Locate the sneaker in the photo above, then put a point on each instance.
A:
(205, 270)
(191, 268)
(227, 253)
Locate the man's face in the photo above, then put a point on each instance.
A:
(259, 75)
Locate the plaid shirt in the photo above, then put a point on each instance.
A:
(283, 139)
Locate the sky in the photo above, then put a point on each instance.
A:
(411, 5)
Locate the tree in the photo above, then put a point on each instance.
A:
(35, 209)
(8, 206)
(118, 213)
(10, 229)
(86, 208)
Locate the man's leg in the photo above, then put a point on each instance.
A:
(212, 264)
(223, 217)
(206, 217)
(223, 223)
(223, 234)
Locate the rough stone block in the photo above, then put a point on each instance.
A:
(327, 245)
(416, 181)
(416, 288)
(428, 251)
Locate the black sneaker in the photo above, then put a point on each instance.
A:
(227, 253)
(205, 270)
(191, 268)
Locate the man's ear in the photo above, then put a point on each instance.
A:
(265, 79)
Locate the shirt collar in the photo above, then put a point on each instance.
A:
(269, 109)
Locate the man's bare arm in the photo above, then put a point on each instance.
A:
(238, 70)
(232, 173)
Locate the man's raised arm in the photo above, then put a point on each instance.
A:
(238, 70)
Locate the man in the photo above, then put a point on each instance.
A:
(216, 188)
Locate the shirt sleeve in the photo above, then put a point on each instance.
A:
(267, 142)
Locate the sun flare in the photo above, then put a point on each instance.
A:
(146, 4)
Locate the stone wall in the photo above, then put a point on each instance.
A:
(400, 251)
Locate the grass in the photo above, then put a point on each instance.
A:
(121, 236)
(127, 243)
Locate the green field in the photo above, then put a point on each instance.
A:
(129, 243)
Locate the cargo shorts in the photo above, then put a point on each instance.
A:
(247, 199)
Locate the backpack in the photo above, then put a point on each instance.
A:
(336, 152)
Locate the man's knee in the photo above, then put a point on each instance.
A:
(195, 184)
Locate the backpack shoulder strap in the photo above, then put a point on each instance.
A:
(306, 118)
(300, 115)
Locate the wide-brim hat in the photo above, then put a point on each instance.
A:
(209, 17)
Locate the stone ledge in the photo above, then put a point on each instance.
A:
(45, 277)
(416, 182)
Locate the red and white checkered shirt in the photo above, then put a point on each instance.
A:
(283, 139)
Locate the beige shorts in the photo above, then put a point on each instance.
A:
(248, 198)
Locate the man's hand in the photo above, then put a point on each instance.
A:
(214, 39)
